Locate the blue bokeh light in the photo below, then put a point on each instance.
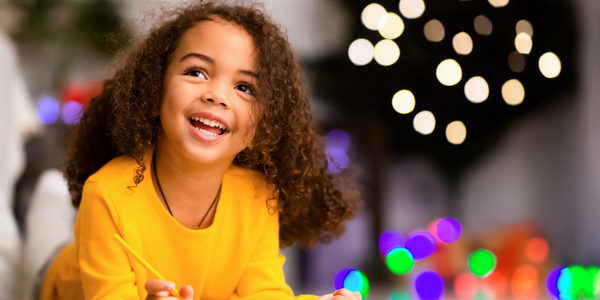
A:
(448, 230)
(71, 112)
(429, 285)
(388, 240)
(341, 277)
(48, 110)
(421, 244)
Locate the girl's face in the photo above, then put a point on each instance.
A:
(208, 93)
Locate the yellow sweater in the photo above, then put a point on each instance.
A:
(236, 257)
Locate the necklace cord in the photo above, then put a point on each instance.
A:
(165, 198)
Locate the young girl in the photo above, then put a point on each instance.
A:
(201, 153)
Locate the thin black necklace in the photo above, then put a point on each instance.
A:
(163, 194)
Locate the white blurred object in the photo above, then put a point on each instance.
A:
(17, 122)
(49, 225)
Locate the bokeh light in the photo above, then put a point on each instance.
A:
(516, 62)
(513, 92)
(465, 286)
(429, 285)
(356, 281)
(424, 122)
(483, 25)
(494, 285)
(386, 52)
(449, 72)
(403, 101)
(71, 112)
(393, 27)
(340, 277)
(412, 9)
(337, 138)
(524, 283)
(456, 132)
(449, 229)
(434, 31)
(594, 275)
(48, 110)
(524, 26)
(498, 3)
(361, 52)
(372, 16)
(337, 159)
(550, 65)
(565, 283)
(477, 89)
(523, 43)
(462, 43)
(421, 244)
(389, 240)
(482, 262)
(536, 249)
(432, 228)
(552, 281)
(399, 260)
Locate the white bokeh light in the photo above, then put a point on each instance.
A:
(513, 92)
(498, 3)
(524, 26)
(424, 122)
(456, 132)
(412, 9)
(386, 52)
(449, 72)
(403, 101)
(550, 65)
(393, 27)
(372, 15)
(462, 43)
(523, 43)
(477, 89)
(361, 52)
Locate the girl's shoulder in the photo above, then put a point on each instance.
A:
(248, 181)
(121, 168)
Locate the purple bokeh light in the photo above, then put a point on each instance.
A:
(48, 110)
(429, 285)
(337, 139)
(448, 230)
(421, 244)
(388, 240)
(71, 112)
(340, 277)
(552, 282)
(337, 159)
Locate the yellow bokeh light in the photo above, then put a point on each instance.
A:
(462, 43)
(550, 65)
(498, 3)
(524, 26)
(393, 27)
(449, 72)
(434, 31)
(412, 9)
(483, 25)
(424, 122)
(372, 14)
(403, 101)
(361, 52)
(456, 132)
(523, 43)
(513, 92)
(477, 89)
(386, 52)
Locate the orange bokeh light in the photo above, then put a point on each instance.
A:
(465, 286)
(536, 249)
(494, 285)
(433, 229)
(524, 283)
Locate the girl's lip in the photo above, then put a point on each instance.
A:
(211, 116)
(206, 137)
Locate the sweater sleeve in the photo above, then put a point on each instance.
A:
(106, 271)
(263, 276)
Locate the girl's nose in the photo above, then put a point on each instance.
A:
(217, 96)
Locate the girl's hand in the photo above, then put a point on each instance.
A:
(342, 294)
(159, 290)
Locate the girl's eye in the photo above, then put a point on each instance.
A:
(244, 89)
(195, 73)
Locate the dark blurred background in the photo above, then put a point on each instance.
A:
(522, 162)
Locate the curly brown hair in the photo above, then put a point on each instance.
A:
(286, 148)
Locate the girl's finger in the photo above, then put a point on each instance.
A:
(358, 295)
(346, 293)
(187, 292)
(159, 287)
(326, 297)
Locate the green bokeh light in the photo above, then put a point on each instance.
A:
(575, 281)
(482, 262)
(399, 260)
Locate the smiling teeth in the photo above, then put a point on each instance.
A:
(211, 123)
(205, 131)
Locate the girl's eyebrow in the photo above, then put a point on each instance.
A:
(212, 61)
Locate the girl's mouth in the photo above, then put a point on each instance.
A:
(207, 126)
